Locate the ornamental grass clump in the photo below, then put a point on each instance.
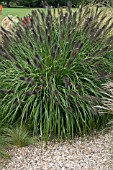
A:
(51, 70)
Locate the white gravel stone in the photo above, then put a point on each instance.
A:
(82, 154)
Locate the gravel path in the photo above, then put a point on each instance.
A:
(82, 154)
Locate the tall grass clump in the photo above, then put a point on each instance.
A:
(51, 70)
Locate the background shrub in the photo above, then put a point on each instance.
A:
(51, 71)
(38, 3)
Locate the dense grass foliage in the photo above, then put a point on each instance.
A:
(2, 148)
(107, 100)
(3, 143)
(51, 71)
(19, 136)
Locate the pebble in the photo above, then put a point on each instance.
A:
(92, 153)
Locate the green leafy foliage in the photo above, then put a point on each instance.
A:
(51, 70)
